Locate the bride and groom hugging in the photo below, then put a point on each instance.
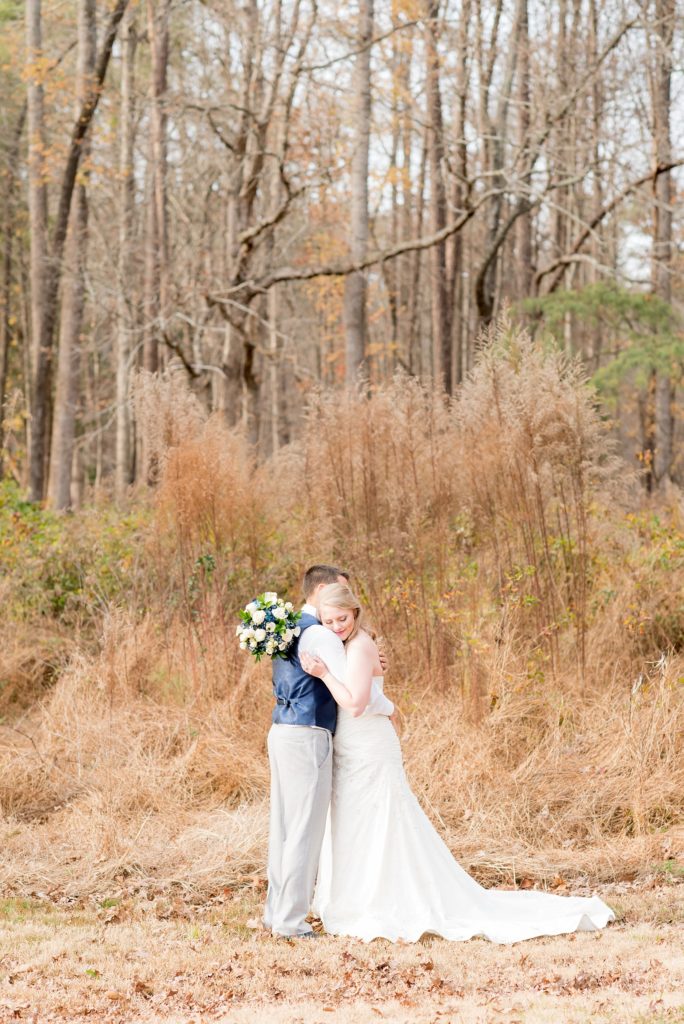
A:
(347, 836)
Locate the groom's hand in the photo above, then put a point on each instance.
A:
(384, 663)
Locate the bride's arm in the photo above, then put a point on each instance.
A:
(352, 692)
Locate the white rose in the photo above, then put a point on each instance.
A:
(258, 616)
(282, 646)
(297, 630)
(251, 607)
(270, 647)
(270, 627)
(279, 613)
(247, 633)
(252, 643)
(243, 645)
(259, 635)
(289, 607)
(287, 636)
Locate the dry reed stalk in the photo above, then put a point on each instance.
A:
(27, 665)
(532, 629)
(130, 778)
(574, 769)
(166, 414)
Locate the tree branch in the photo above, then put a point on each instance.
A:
(366, 46)
(256, 286)
(560, 264)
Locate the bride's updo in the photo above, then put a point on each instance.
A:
(338, 595)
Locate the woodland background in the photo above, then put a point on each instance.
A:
(398, 288)
(266, 197)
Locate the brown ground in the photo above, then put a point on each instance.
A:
(153, 957)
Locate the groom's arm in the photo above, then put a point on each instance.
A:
(323, 643)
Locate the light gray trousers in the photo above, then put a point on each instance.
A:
(301, 780)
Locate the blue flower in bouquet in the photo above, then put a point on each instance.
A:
(269, 626)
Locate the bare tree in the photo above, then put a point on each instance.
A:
(441, 298)
(663, 249)
(125, 320)
(157, 242)
(523, 228)
(455, 254)
(44, 314)
(355, 316)
(73, 299)
(38, 229)
(8, 230)
(503, 163)
(497, 126)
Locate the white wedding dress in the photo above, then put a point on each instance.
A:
(385, 872)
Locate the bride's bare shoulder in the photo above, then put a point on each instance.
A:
(363, 643)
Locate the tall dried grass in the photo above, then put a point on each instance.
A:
(534, 627)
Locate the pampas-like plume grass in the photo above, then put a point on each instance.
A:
(533, 624)
(122, 776)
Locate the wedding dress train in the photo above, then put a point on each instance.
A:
(385, 872)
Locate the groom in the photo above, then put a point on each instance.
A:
(300, 755)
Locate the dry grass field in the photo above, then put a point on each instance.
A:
(122, 959)
(530, 600)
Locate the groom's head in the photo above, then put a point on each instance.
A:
(317, 576)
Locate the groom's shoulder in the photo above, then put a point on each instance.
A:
(315, 632)
(306, 621)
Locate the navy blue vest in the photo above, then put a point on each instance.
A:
(301, 699)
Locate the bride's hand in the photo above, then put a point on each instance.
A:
(313, 665)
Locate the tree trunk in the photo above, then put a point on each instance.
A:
(355, 289)
(274, 378)
(38, 220)
(417, 357)
(73, 300)
(662, 240)
(8, 228)
(486, 290)
(523, 227)
(392, 274)
(441, 304)
(122, 473)
(42, 385)
(457, 290)
(158, 28)
(150, 303)
(597, 243)
(405, 219)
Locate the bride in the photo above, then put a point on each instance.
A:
(384, 870)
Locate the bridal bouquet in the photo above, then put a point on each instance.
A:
(269, 626)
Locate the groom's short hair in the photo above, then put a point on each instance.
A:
(317, 574)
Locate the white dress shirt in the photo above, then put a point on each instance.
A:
(329, 648)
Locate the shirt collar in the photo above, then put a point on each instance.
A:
(310, 609)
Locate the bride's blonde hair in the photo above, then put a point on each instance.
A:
(337, 595)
